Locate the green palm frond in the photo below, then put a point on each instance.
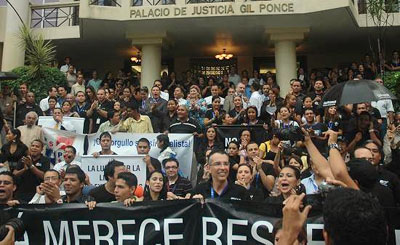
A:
(38, 52)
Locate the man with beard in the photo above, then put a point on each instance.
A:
(318, 92)
(30, 131)
(30, 171)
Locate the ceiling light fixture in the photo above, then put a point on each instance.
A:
(223, 55)
(136, 59)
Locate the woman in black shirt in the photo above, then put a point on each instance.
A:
(13, 150)
(155, 187)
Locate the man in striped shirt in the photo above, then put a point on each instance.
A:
(177, 186)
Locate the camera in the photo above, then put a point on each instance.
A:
(15, 223)
(324, 188)
(291, 133)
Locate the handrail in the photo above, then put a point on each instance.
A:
(54, 5)
(54, 15)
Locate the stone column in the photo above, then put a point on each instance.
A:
(285, 54)
(13, 54)
(151, 64)
(151, 56)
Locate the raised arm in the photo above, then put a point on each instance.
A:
(337, 163)
(319, 161)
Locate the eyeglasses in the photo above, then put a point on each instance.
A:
(171, 167)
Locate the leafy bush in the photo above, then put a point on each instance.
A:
(50, 76)
(392, 82)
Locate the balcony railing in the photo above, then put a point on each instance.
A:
(112, 3)
(208, 1)
(55, 15)
(152, 2)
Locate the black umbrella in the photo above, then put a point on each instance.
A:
(356, 91)
(8, 76)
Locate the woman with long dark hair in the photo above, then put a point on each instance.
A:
(90, 94)
(213, 115)
(332, 119)
(210, 142)
(13, 150)
(251, 117)
(155, 187)
(288, 184)
(244, 177)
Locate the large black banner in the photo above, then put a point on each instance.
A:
(228, 133)
(165, 222)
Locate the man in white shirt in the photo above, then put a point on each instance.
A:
(65, 67)
(48, 191)
(233, 77)
(59, 123)
(178, 95)
(69, 159)
(385, 108)
(44, 103)
(214, 92)
(95, 82)
(163, 94)
(78, 86)
(256, 98)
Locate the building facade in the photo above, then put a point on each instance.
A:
(181, 35)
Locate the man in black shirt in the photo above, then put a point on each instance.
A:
(30, 171)
(23, 109)
(315, 130)
(105, 192)
(218, 185)
(183, 124)
(386, 178)
(177, 186)
(100, 109)
(74, 181)
(143, 148)
(105, 143)
(82, 107)
(265, 174)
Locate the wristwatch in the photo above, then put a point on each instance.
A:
(333, 146)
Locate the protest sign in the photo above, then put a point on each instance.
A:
(125, 144)
(94, 167)
(77, 122)
(57, 140)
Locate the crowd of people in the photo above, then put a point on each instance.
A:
(305, 145)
